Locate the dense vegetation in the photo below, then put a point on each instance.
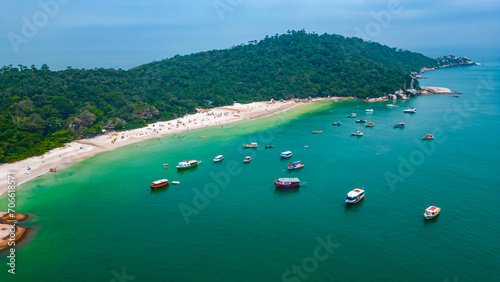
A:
(42, 109)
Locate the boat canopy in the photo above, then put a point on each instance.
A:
(431, 209)
(288, 180)
(354, 193)
(160, 181)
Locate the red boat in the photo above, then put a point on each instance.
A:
(159, 183)
(287, 183)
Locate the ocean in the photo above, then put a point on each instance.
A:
(98, 220)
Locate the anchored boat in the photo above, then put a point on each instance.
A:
(159, 183)
(428, 137)
(410, 110)
(286, 154)
(218, 158)
(358, 133)
(287, 183)
(295, 165)
(317, 132)
(247, 159)
(353, 115)
(399, 125)
(361, 121)
(251, 145)
(355, 196)
(369, 110)
(431, 212)
(336, 123)
(370, 124)
(188, 164)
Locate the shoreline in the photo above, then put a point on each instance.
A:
(79, 150)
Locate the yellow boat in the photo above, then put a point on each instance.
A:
(317, 132)
(203, 136)
(252, 145)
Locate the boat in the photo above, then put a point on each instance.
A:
(369, 110)
(176, 182)
(410, 110)
(165, 165)
(159, 183)
(431, 212)
(251, 145)
(353, 115)
(358, 133)
(428, 137)
(268, 147)
(286, 154)
(361, 121)
(317, 132)
(247, 159)
(370, 124)
(355, 196)
(203, 136)
(218, 158)
(188, 164)
(287, 183)
(295, 165)
(399, 125)
(390, 105)
(336, 123)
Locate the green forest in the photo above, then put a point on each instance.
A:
(43, 109)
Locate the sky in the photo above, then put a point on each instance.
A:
(127, 33)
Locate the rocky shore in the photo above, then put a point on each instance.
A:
(10, 231)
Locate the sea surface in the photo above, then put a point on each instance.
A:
(98, 220)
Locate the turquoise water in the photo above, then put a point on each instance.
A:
(97, 220)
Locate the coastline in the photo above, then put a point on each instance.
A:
(78, 150)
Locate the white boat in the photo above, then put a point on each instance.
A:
(353, 115)
(188, 164)
(390, 105)
(218, 158)
(355, 196)
(410, 110)
(286, 154)
(369, 110)
(247, 159)
(432, 212)
(176, 182)
(358, 133)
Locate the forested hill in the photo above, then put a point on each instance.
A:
(41, 109)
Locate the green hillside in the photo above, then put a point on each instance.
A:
(42, 109)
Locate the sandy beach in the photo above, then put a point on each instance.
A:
(79, 150)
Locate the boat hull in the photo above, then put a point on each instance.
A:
(157, 186)
(187, 167)
(352, 202)
(294, 185)
(430, 216)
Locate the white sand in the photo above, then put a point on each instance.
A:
(85, 148)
